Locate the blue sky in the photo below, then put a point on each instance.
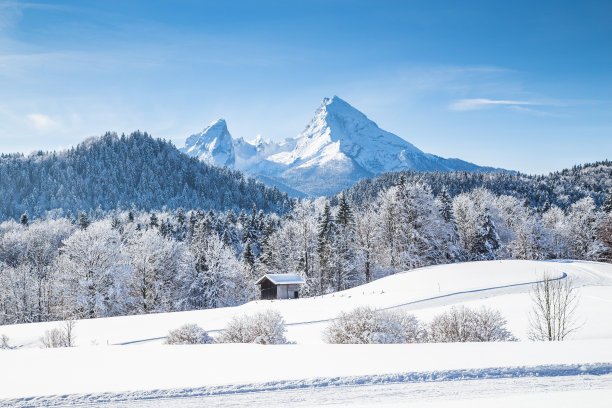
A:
(518, 85)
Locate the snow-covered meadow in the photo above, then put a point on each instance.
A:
(123, 359)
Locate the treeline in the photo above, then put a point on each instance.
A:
(407, 226)
(120, 172)
(562, 188)
(133, 262)
(128, 263)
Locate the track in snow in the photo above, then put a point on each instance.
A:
(401, 305)
(368, 390)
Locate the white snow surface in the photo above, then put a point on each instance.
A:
(123, 358)
(339, 146)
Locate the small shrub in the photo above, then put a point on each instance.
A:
(463, 324)
(365, 325)
(4, 342)
(261, 328)
(188, 334)
(62, 336)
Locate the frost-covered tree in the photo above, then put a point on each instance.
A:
(446, 206)
(83, 220)
(605, 237)
(325, 235)
(155, 263)
(292, 247)
(345, 260)
(607, 205)
(581, 226)
(218, 278)
(94, 272)
(412, 230)
(366, 230)
(486, 241)
(24, 219)
(477, 225)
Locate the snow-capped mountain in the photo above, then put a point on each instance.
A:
(339, 146)
(212, 145)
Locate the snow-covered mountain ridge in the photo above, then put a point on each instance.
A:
(338, 147)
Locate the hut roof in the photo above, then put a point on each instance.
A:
(282, 279)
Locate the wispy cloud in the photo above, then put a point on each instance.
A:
(41, 122)
(482, 103)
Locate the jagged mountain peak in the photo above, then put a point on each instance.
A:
(339, 146)
(338, 106)
(213, 145)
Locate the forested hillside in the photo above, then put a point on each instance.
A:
(128, 225)
(132, 262)
(113, 172)
(561, 188)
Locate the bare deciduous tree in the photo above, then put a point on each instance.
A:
(4, 342)
(61, 336)
(553, 316)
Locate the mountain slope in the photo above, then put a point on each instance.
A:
(339, 146)
(110, 172)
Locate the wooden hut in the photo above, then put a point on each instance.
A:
(279, 286)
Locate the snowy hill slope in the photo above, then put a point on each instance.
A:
(422, 291)
(339, 146)
(503, 285)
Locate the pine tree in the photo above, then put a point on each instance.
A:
(243, 218)
(83, 221)
(248, 257)
(323, 244)
(153, 221)
(345, 215)
(231, 217)
(180, 216)
(487, 242)
(165, 229)
(225, 238)
(607, 205)
(24, 220)
(265, 246)
(446, 209)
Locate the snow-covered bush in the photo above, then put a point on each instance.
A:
(365, 325)
(188, 334)
(262, 328)
(463, 324)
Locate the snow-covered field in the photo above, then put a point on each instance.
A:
(122, 361)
